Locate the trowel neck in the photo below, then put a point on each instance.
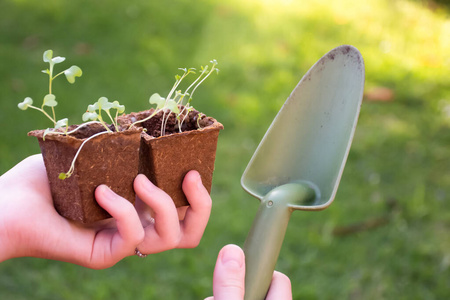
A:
(289, 195)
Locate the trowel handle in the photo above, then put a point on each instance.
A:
(264, 241)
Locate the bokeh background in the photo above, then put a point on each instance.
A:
(386, 236)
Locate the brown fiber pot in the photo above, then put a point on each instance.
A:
(165, 160)
(110, 158)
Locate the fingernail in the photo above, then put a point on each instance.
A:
(199, 181)
(107, 192)
(232, 255)
(148, 185)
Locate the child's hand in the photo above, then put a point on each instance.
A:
(30, 225)
(167, 227)
(229, 278)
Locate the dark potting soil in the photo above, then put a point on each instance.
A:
(153, 126)
(89, 130)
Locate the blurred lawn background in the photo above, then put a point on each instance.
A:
(386, 236)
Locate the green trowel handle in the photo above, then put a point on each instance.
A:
(266, 236)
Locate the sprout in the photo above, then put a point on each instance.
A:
(171, 103)
(61, 123)
(103, 104)
(158, 100)
(50, 99)
(25, 103)
(73, 72)
(92, 116)
(120, 108)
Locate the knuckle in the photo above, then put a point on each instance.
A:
(171, 241)
(234, 286)
(140, 237)
(126, 209)
(191, 243)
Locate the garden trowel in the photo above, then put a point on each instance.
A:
(300, 160)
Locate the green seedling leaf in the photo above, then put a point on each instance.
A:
(58, 59)
(158, 100)
(120, 108)
(46, 71)
(61, 123)
(73, 72)
(92, 107)
(104, 104)
(47, 131)
(25, 103)
(62, 176)
(49, 100)
(48, 56)
(172, 105)
(90, 116)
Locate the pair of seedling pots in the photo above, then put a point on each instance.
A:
(116, 158)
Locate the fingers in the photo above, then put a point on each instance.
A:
(229, 274)
(111, 245)
(197, 214)
(164, 232)
(280, 288)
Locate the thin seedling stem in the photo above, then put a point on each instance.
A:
(72, 165)
(44, 112)
(204, 78)
(112, 120)
(145, 119)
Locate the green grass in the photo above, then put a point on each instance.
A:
(397, 168)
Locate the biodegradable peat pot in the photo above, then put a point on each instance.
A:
(165, 160)
(110, 158)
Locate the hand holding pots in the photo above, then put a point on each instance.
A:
(30, 225)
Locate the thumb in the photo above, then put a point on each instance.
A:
(229, 274)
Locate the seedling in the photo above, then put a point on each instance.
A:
(50, 99)
(106, 106)
(200, 116)
(93, 111)
(176, 99)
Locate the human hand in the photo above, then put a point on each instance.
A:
(229, 278)
(30, 225)
(168, 227)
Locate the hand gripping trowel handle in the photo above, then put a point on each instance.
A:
(266, 236)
